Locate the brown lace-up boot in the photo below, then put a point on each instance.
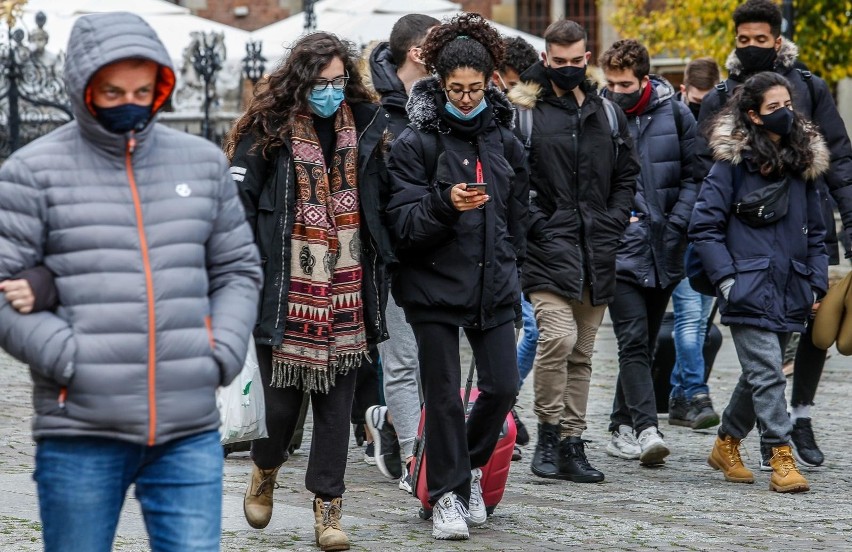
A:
(257, 504)
(329, 535)
(785, 475)
(725, 456)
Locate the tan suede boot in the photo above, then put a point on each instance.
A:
(725, 456)
(329, 535)
(257, 504)
(785, 475)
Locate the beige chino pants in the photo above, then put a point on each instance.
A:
(563, 360)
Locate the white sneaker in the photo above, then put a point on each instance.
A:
(405, 482)
(475, 512)
(653, 447)
(623, 444)
(447, 520)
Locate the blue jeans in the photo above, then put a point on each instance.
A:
(528, 342)
(82, 482)
(691, 311)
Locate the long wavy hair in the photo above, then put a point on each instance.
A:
(793, 152)
(278, 99)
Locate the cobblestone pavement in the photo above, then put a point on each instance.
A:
(681, 506)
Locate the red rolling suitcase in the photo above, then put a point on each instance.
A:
(494, 474)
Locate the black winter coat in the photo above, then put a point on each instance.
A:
(581, 195)
(822, 110)
(268, 191)
(651, 250)
(457, 268)
(777, 269)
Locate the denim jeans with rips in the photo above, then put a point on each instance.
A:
(82, 482)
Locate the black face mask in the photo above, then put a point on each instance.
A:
(756, 59)
(568, 77)
(779, 121)
(695, 108)
(626, 100)
(123, 118)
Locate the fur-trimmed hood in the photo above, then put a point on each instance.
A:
(729, 142)
(535, 85)
(788, 53)
(422, 106)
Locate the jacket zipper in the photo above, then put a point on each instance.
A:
(149, 289)
(283, 237)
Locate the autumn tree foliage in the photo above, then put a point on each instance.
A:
(694, 28)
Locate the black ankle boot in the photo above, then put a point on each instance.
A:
(573, 464)
(544, 462)
(522, 437)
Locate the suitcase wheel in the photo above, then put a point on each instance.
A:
(424, 513)
(489, 510)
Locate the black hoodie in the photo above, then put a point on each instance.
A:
(389, 87)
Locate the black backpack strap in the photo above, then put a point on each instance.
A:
(678, 118)
(722, 88)
(807, 76)
(612, 119)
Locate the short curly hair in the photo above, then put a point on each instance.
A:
(520, 55)
(759, 11)
(466, 40)
(627, 54)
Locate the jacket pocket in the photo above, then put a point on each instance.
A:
(752, 291)
(799, 297)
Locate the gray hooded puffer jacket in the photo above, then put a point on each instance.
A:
(156, 270)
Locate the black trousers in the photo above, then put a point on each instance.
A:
(810, 361)
(636, 314)
(452, 447)
(330, 439)
(367, 388)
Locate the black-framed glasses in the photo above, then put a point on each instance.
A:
(338, 83)
(458, 95)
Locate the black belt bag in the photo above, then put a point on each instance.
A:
(765, 206)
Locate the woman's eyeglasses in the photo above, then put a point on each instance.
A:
(458, 94)
(338, 83)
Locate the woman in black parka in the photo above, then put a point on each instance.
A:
(768, 274)
(307, 157)
(459, 253)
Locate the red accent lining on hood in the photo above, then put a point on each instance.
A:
(163, 89)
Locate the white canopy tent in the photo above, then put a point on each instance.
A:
(363, 22)
(173, 23)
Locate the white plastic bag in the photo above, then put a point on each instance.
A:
(241, 406)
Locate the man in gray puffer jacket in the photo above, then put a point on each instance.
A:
(157, 277)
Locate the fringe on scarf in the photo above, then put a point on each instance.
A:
(311, 378)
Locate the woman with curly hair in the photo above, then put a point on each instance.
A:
(758, 229)
(307, 158)
(457, 212)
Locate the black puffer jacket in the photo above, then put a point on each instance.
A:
(651, 251)
(268, 191)
(457, 268)
(389, 87)
(581, 194)
(820, 109)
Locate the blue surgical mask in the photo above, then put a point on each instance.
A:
(455, 112)
(324, 103)
(123, 118)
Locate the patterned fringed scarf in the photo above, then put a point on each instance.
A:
(324, 332)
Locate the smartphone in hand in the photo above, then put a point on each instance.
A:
(482, 187)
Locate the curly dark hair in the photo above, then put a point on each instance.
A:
(279, 98)
(466, 40)
(793, 154)
(759, 11)
(520, 55)
(627, 54)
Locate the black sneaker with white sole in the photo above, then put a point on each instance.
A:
(804, 445)
(385, 443)
(765, 456)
